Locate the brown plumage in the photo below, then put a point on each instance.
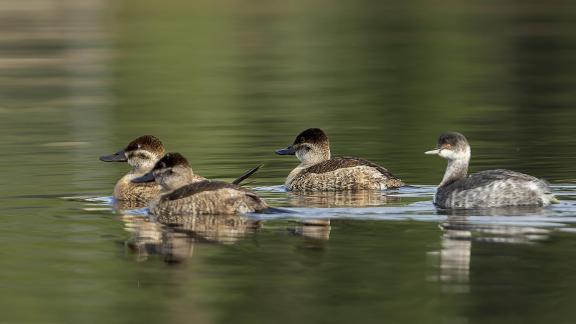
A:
(126, 190)
(342, 174)
(146, 142)
(208, 197)
(318, 172)
(186, 194)
(141, 154)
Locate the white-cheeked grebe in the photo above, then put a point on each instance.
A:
(485, 189)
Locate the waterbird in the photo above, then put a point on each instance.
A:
(317, 171)
(141, 154)
(183, 192)
(485, 189)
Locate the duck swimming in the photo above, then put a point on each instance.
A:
(183, 192)
(485, 189)
(141, 154)
(319, 172)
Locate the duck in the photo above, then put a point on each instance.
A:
(484, 189)
(317, 171)
(184, 193)
(141, 154)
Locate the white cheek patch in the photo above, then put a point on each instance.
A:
(451, 155)
(448, 154)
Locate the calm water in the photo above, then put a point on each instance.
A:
(227, 82)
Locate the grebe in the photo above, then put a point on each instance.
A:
(485, 189)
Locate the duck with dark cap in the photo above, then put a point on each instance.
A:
(318, 171)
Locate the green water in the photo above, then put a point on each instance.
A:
(228, 82)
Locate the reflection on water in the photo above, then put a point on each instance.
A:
(459, 236)
(316, 229)
(341, 199)
(174, 237)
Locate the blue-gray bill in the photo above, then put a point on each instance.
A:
(119, 156)
(286, 151)
(148, 177)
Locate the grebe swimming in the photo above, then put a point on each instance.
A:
(485, 189)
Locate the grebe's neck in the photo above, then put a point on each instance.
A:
(457, 168)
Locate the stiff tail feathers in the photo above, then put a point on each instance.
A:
(247, 175)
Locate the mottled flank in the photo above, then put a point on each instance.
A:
(208, 197)
(494, 188)
(126, 190)
(198, 187)
(344, 173)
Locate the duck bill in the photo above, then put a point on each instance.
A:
(432, 152)
(148, 177)
(119, 156)
(286, 151)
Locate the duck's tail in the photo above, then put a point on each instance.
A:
(246, 175)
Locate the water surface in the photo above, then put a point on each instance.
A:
(228, 82)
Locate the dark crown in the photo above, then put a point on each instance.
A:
(311, 135)
(453, 138)
(146, 142)
(170, 160)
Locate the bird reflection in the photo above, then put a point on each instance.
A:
(173, 237)
(464, 229)
(455, 252)
(314, 229)
(364, 198)
(123, 205)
